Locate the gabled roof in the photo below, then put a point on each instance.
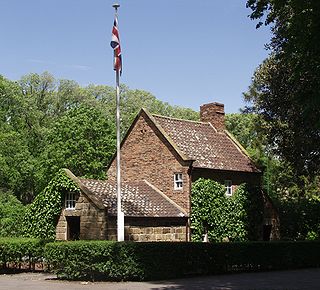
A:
(200, 143)
(139, 199)
(209, 148)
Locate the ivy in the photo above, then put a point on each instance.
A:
(42, 214)
(235, 218)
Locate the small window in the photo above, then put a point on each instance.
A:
(70, 200)
(228, 185)
(178, 183)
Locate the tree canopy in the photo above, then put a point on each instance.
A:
(286, 86)
(47, 124)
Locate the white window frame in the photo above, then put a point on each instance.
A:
(228, 185)
(178, 181)
(70, 200)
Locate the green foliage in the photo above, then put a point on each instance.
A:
(82, 140)
(47, 124)
(300, 218)
(234, 218)
(16, 160)
(16, 164)
(244, 128)
(93, 260)
(42, 214)
(11, 214)
(13, 250)
(285, 88)
(105, 260)
(295, 197)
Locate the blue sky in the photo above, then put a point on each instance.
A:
(184, 52)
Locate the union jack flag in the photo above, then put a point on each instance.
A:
(115, 44)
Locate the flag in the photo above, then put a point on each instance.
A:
(115, 44)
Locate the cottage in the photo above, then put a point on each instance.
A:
(160, 159)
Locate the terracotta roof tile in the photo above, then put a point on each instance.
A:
(139, 199)
(202, 143)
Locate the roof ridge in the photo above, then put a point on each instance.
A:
(92, 179)
(179, 119)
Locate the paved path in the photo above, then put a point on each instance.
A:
(280, 280)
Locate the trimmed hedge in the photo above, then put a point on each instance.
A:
(15, 252)
(102, 260)
(106, 260)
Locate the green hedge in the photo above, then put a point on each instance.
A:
(105, 260)
(15, 252)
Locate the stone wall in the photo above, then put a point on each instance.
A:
(145, 154)
(151, 229)
(93, 221)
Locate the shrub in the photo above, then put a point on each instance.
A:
(299, 218)
(94, 260)
(20, 250)
(115, 261)
(11, 213)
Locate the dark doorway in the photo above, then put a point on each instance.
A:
(267, 232)
(73, 228)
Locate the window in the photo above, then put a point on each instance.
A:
(178, 183)
(228, 185)
(70, 200)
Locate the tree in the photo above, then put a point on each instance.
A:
(82, 140)
(16, 160)
(11, 215)
(17, 165)
(46, 124)
(286, 87)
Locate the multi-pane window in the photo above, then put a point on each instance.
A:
(70, 200)
(178, 183)
(228, 185)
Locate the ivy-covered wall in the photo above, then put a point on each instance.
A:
(42, 214)
(235, 218)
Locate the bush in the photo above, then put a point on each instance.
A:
(94, 260)
(105, 260)
(17, 251)
(299, 218)
(11, 213)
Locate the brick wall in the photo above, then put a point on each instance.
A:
(145, 154)
(236, 177)
(213, 113)
(93, 222)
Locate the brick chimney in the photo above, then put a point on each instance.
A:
(213, 113)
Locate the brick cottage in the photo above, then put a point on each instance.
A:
(160, 159)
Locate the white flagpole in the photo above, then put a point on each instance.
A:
(120, 215)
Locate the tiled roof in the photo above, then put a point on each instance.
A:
(207, 147)
(139, 199)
